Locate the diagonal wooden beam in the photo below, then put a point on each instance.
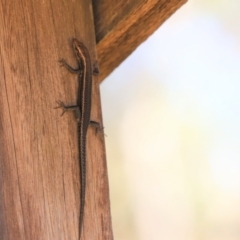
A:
(121, 26)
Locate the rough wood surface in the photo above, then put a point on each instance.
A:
(121, 26)
(39, 164)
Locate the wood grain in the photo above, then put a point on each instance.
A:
(121, 26)
(39, 162)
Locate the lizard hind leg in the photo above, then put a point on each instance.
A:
(97, 126)
(65, 108)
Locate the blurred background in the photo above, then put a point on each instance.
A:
(172, 119)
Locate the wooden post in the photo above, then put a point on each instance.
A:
(39, 171)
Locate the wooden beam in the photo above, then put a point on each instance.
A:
(39, 158)
(121, 26)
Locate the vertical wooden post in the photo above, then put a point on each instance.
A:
(39, 159)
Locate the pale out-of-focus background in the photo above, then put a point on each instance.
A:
(172, 119)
